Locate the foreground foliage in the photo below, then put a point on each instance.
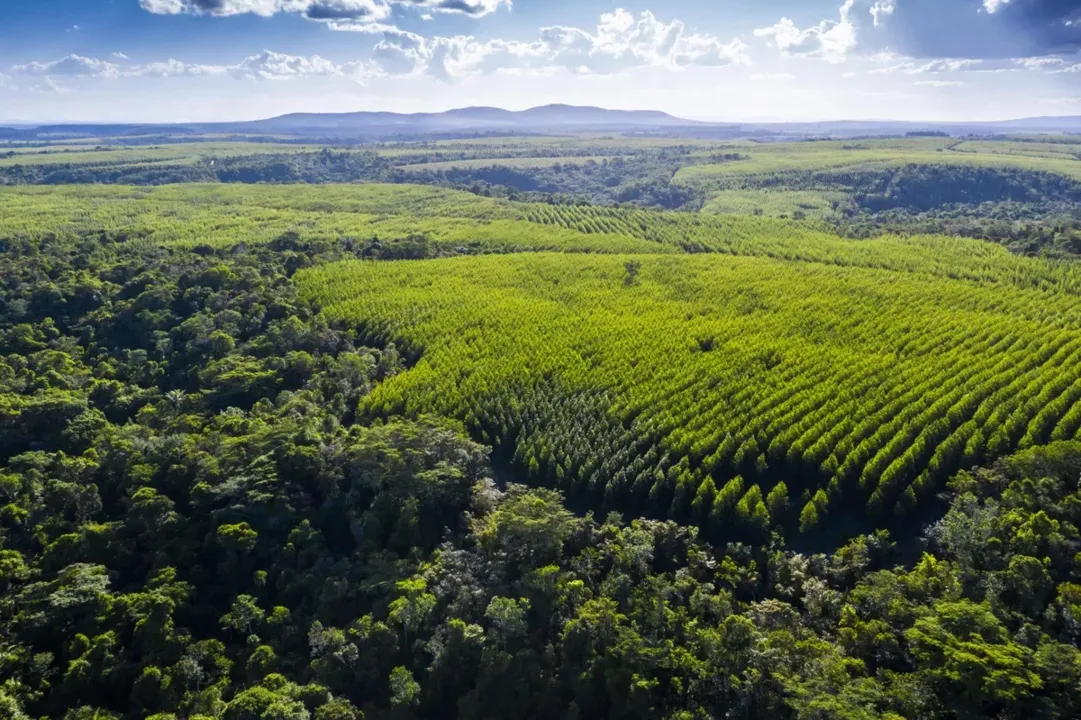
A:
(733, 467)
(195, 525)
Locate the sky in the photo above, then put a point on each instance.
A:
(725, 60)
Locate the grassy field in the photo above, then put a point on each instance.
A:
(1043, 149)
(218, 214)
(514, 162)
(773, 159)
(179, 153)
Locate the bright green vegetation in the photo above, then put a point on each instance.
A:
(514, 162)
(775, 203)
(181, 153)
(646, 382)
(200, 518)
(455, 222)
(555, 145)
(770, 159)
(1019, 192)
(219, 215)
(457, 443)
(1022, 194)
(1046, 148)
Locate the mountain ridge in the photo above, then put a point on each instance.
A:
(370, 125)
(556, 115)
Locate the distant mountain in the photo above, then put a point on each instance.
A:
(1054, 123)
(548, 117)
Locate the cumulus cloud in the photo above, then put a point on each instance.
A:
(830, 40)
(620, 42)
(932, 66)
(476, 8)
(175, 68)
(48, 85)
(985, 29)
(71, 66)
(881, 9)
(1035, 63)
(322, 10)
(269, 65)
(266, 65)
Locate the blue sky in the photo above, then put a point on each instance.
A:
(166, 60)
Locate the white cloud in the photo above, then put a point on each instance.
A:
(939, 83)
(48, 85)
(175, 68)
(320, 10)
(1070, 69)
(937, 66)
(830, 40)
(886, 56)
(773, 77)
(620, 42)
(1000, 29)
(881, 9)
(267, 65)
(932, 66)
(475, 8)
(71, 66)
(211, 7)
(120, 56)
(1034, 63)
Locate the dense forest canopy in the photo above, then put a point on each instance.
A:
(570, 427)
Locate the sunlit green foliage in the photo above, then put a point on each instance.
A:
(181, 153)
(871, 385)
(774, 203)
(217, 503)
(775, 158)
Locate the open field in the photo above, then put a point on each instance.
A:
(180, 153)
(514, 162)
(220, 215)
(764, 160)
